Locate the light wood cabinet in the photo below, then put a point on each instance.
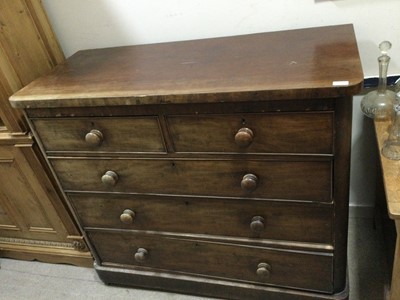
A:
(34, 220)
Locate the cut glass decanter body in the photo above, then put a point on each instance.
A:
(379, 104)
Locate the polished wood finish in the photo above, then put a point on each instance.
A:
(285, 221)
(257, 224)
(265, 133)
(127, 216)
(227, 289)
(246, 163)
(244, 137)
(109, 179)
(277, 179)
(111, 134)
(249, 182)
(94, 137)
(141, 255)
(215, 259)
(34, 221)
(209, 70)
(263, 270)
(390, 171)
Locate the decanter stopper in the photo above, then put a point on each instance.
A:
(379, 103)
(385, 46)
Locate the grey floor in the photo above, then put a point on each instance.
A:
(34, 280)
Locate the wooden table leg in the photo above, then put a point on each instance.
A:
(395, 285)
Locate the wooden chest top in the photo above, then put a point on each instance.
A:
(296, 64)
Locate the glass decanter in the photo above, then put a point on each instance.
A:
(379, 103)
(391, 147)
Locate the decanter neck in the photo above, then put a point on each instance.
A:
(383, 61)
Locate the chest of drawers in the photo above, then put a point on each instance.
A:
(216, 167)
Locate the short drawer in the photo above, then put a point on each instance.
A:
(136, 134)
(298, 180)
(265, 266)
(238, 218)
(253, 133)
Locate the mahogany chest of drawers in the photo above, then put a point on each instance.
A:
(217, 167)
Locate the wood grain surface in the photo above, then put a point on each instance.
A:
(293, 64)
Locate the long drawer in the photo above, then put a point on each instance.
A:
(249, 218)
(135, 134)
(266, 266)
(269, 179)
(253, 133)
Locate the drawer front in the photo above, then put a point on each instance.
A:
(253, 133)
(298, 180)
(303, 270)
(250, 218)
(138, 134)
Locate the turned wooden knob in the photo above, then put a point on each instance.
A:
(141, 255)
(257, 224)
(94, 137)
(127, 216)
(109, 179)
(263, 270)
(244, 137)
(249, 182)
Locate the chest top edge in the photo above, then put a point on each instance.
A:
(317, 62)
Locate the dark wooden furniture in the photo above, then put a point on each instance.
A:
(217, 167)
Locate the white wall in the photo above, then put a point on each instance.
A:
(84, 24)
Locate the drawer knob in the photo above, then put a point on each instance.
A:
(141, 255)
(257, 224)
(249, 182)
(244, 137)
(94, 137)
(263, 270)
(127, 216)
(110, 178)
